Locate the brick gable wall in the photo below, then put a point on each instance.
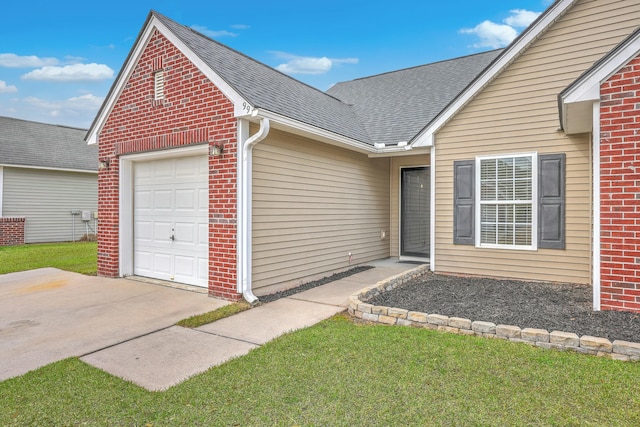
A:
(194, 111)
(620, 189)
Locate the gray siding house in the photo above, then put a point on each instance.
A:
(48, 176)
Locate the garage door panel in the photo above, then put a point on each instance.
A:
(185, 266)
(162, 200)
(143, 199)
(171, 198)
(162, 232)
(186, 233)
(144, 260)
(144, 230)
(203, 200)
(203, 234)
(144, 171)
(203, 270)
(162, 263)
(186, 200)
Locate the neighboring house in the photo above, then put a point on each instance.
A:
(48, 177)
(517, 163)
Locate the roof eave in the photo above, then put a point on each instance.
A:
(426, 137)
(575, 102)
(242, 107)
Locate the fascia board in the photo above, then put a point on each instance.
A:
(587, 88)
(241, 106)
(425, 137)
(299, 128)
(8, 165)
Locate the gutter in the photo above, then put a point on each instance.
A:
(245, 209)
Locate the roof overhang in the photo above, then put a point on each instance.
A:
(426, 137)
(575, 103)
(305, 130)
(9, 165)
(241, 106)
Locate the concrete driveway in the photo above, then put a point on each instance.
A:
(48, 314)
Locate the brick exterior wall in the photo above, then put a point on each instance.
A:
(11, 231)
(620, 189)
(193, 111)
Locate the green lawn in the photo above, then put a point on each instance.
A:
(342, 373)
(72, 256)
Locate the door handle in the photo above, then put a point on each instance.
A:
(173, 235)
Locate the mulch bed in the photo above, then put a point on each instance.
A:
(550, 306)
(313, 284)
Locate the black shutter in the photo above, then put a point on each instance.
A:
(464, 202)
(551, 201)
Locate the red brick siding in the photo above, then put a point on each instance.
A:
(620, 189)
(11, 231)
(194, 111)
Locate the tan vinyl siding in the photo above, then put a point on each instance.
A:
(517, 113)
(396, 164)
(45, 198)
(312, 205)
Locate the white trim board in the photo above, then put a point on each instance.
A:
(137, 52)
(125, 226)
(426, 137)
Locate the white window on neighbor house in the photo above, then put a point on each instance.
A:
(506, 203)
(158, 92)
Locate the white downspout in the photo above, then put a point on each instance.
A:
(245, 151)
(432, 213)
(595, 137)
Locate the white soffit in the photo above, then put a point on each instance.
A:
(577, 99)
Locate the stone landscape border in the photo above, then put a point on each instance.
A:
(359, 308)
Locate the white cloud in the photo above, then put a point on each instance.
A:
(71, 73)
(7, 89)
(240, 27)
(308, 64)
(11, 60)
(495, 35)
(213, 33)
(521, 18)
(491, 34)
(75, 111)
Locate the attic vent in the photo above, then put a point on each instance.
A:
(158, 88)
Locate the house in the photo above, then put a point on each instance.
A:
(48, 178)
(517, 163)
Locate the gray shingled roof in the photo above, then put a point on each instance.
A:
(26, 143)
(269, 89)
(395, 106)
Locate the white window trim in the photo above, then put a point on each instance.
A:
(534, 203)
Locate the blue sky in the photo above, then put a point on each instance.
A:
(59, 59)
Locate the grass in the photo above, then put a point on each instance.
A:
(343, 373)
(212, 316)
(80, 257)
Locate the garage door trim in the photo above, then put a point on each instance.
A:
(126, 197)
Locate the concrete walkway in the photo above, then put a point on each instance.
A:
(169, 356)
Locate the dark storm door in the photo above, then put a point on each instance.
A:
(415, 204)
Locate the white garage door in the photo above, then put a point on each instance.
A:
(171, 200)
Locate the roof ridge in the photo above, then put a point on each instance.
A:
(43, 123)
(243, 55)
(422, 65)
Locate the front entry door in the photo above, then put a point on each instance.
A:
(415, 205)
